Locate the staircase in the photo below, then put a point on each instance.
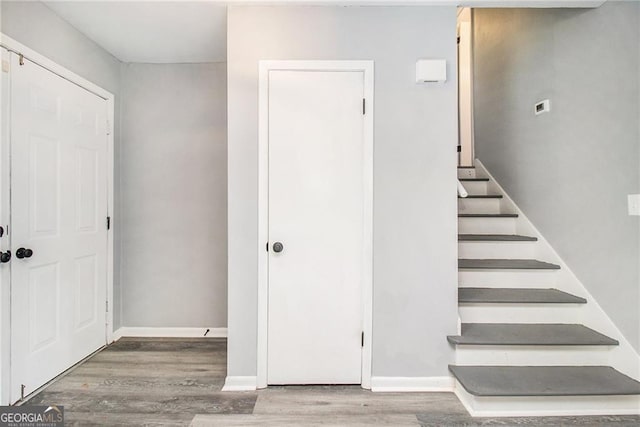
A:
(532, 341)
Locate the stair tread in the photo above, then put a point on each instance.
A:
(544, 381)
(473, 179)
(507, 264)
(482, 196)
(466, 167)
(517, 295)
(495, 238)
(488, 215)
(529, 334)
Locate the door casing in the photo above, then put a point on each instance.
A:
(14, 46)
(367, 68)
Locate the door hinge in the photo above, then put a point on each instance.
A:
(267, 247)
(364, 106)
(108, 223)
(22, 387)
(108, 128)
(21, 59)
(362, 339)
(107, 306)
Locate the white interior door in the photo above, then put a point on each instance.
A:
(58, 225)
(316, 208)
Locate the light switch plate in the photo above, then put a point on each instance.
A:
(634, 204)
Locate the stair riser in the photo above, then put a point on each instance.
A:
(499, 250)
(492, 206)
(475, 187)
(487, 225)
(547, 406)
(521, 313)
(531, 355)
(467, 173)
(508, 278)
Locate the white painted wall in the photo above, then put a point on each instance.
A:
(570, 170)
(415, 276)
(173, 195)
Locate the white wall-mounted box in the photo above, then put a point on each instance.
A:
(431, 70)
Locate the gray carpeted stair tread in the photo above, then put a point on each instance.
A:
(506, 264)
(488, 215)
(495, 238)
(529, 334)
(482, 196)
(517, 296)
(544, 381)
(473, 179)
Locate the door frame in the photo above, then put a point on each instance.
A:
(16, 47)
(466, 126)
(367, 67)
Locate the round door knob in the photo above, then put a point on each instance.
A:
(5, 257)
(278, 247)
(24, 253)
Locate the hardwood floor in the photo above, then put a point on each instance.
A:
(177, 382)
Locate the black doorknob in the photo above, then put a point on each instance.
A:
(278, 247)
(5, 257)
(24, 253)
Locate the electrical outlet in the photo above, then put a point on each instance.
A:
(634, 204)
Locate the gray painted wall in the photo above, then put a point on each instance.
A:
(170, 173)
(37, 27)
(415, 243)
(174, 189)
(571, 170)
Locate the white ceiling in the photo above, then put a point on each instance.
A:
(160, 31)
(153, 32)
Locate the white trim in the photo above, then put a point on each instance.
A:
(41, 60)
(127, 331)
(239, 384)
(547, 406)
(367, 67)
(412, 384)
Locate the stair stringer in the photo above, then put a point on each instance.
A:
(623, 357)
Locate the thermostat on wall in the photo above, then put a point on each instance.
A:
(542, 107)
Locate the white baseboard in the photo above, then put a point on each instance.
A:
(412, 384)
(240, 383)
(127, 331)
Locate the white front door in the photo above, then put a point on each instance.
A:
(58, 225)
(316, 213)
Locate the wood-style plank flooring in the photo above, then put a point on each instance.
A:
(177, 382)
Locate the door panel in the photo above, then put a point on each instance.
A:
(316, 207)
(44, 286)
(58, 195)
(44, 176)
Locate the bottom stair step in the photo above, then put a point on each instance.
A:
(516, 296)
(505, 381)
